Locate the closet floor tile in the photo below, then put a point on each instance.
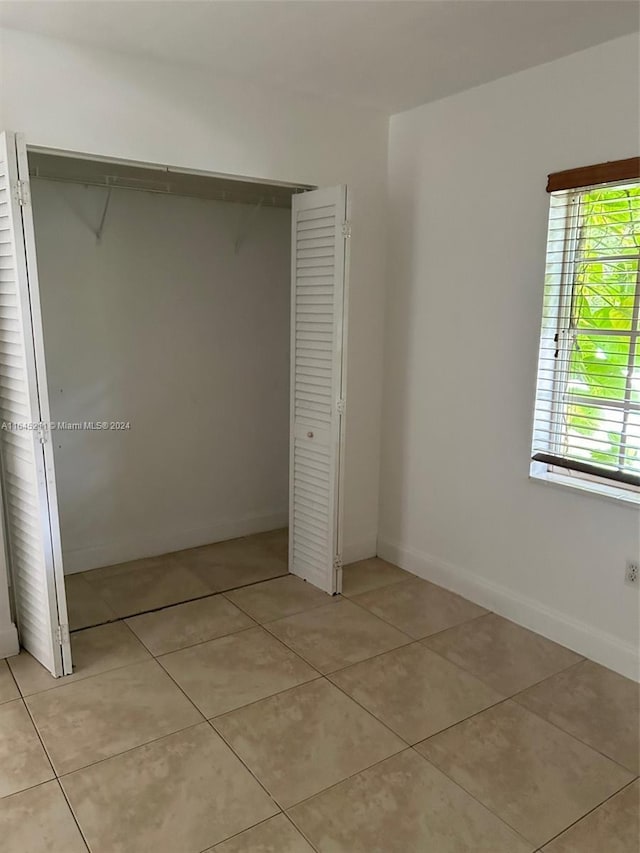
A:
(277, 598)
(613, 827)
(531, 774)
(501, 653)
(94, 650)
(418, 608)
(275, 542)
(595, 705)
(299, 742)
(39, 821)
(8, 687)
(133, 588)
(233, 671)
(118, 569)
(373, 573)
(97, 717)
(336, 635)
(85, 605)
(23, 761)
(238, 562)
(414, 691)
(276, 835)
(181, 794)
(403, 805)
(185, 625)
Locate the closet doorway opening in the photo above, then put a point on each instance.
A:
(187, 381)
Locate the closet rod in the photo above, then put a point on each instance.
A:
(266, 199)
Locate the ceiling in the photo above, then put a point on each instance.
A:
(387, 55)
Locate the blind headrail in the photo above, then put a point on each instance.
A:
(585, 468)
(602, 173)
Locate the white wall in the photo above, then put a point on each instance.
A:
(64, 96)
(468, 219)
(161, 324)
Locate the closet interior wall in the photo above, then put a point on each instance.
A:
(170, 314)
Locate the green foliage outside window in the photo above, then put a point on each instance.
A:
(603, 367)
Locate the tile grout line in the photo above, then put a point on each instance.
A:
(541, 716)
(199, 643)
(124, 751)
(453, 627)
(123, 620)
(428, 636)
(210, 594)
(366, 769)
(66, 684)
(341, 782)
(209, 722)
(302, 832)
(474, 797)
(316, 677)
(586, 815)
(287, 615)
(456, 782)
(248, 769)
(283, 808)
(74, 816)
(405, 745)
(56, 778)
(237, 834)
(130, 749)
(61, 682)
(15, 681)
(409, 642)
(40, 738)
(260, 823)
(486, 683)
(156, 659)
(367, 711)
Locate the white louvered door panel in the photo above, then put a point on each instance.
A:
(27, 476)
(318, 312)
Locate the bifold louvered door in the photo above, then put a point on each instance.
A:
(318, 322)
(28, 480)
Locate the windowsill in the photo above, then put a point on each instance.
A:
(622, 497)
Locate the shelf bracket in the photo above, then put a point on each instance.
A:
(103, 218)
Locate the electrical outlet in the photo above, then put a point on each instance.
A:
(631, 573)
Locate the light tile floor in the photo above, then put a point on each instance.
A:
(399, 718)
(127, 589)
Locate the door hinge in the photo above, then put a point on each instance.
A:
(337, 569)
(63, 635)
(346, 228)
(41, 430)
(21, 192)
(340, 406)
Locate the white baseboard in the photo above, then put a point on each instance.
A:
(579, 636)
(9, 644)
(166, 541)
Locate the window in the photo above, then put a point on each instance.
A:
(587, 414)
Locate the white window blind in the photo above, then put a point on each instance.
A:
(587, 413)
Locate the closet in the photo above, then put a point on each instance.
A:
(171, 372)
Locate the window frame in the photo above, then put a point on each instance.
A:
(557, 335)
